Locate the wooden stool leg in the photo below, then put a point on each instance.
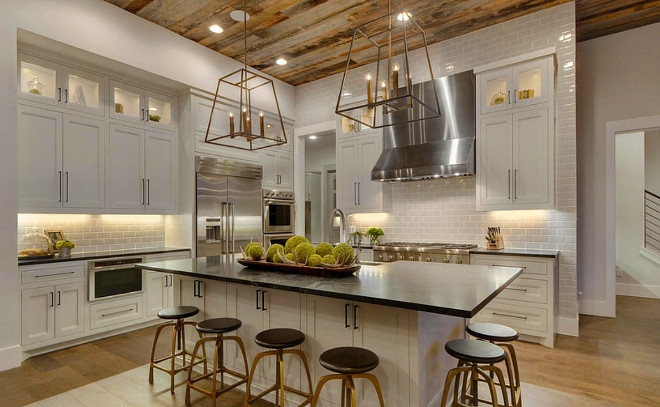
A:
(343, 393)
(491, 385)
(374, 380)
(153, 350)
(302, 356)
(255, 362)
(192, 363)
(514, 378)
(451, 376)
(175, 331)
(322, 381)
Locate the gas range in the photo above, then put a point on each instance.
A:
(431, 252)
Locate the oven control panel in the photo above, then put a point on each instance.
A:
(272, 193)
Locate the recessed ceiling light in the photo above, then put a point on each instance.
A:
(239, 15)
(216, 28)
(405, 16)
(281, 61)
(153, 109)
(312, 137)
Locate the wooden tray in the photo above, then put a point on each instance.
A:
(293, 268)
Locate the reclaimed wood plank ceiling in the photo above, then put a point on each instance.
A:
(314, 35)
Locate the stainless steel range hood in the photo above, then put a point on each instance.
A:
(432, 148)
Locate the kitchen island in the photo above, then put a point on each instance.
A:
(404, 311)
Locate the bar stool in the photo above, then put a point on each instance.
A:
(178, 338)
(280, 340)
(500, 335)
(349, 363)
(475, 358)
(218, 327)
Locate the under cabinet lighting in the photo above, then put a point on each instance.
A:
(216, 28)
(281, 61)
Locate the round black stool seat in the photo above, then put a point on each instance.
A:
(279, 338)
(218, 325)
(180, 312)
(349, 360)
(492, 332)
(474, 351)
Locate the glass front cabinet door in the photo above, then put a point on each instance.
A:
(84, 91)
(530, 80)
(126, 102)
(495, 92)
(160, 109)
(39, 80)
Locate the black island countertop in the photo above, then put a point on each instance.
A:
(100, 255)
(460, 290)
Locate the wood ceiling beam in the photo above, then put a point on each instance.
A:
(137, 5)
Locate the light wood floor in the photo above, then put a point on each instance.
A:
(614, 362)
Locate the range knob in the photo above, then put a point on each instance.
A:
(446, 260)
(380, 256)
(411, 258)
(429, 259)
(390, 258)
(459, 261)
(401, 257)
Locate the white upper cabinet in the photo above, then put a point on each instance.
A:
(160, 109)
(83, 154)
(515, 135)
(126, 102)
(356, 157)
(39, 158)
(126, 182)
(277, 168)
(160, 170)
(59, 85)
(61, 160)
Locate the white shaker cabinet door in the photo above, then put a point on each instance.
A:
(329, 323)
(160, 170)
(285, 169)
(531, 157)
(69, 309)
(269, 160)
(347, 174)
(157, 287)
(495, 169)
(83, 155)
(38, 315)
(39, 158)
(369, 193)
(126, 170)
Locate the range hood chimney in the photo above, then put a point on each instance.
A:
(432, 148)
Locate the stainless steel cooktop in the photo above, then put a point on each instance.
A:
(458, 253)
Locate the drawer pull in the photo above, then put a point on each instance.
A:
(116, 313)
(509, 315)
(54, 274)
(516, 289)
(500, 265)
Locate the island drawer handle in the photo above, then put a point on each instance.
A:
(509, 315)
(355, 326)
(516, 289)
(257, 298)
(53, 274)
(263, 300)
(118, 312)
(500, 265)
(346, 325)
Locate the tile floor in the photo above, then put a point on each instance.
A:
(131, 389)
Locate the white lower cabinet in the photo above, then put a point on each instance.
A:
(115, 312)
(190, 291)
(159, 292)
(52, 312)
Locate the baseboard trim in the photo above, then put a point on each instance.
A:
(638, 290)
(597, 307)
(568, 326)
(10, 357)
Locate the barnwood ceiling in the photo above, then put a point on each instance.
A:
(314, 35)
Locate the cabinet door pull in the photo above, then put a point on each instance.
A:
(143, 193)
(358, 194)
(515, 184)
(263, 301)
(516, 289)
(257, 298)
(148, 192)
(53, 274)
(199, 289)
(66, 95)
(355, 326)
(508, 97)
(67, 186)
(509, 315)
(59, 297)
(118, 312)
(52, 299)
(501, 265)
(195, 288)
(509, 184)
(355, 193)
(346, 325)
(171, 280)
(515, 93)
(59, 94)
(60, 175)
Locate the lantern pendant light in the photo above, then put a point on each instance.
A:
(240, 85)
(389, 89)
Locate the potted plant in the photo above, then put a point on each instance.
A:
(356, 237)
(374, 235)
(65, 246)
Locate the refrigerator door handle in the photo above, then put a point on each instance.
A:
(225, 228)
(233, 218)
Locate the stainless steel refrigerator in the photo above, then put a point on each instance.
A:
(228, 205)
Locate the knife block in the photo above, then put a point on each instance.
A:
(498, 245)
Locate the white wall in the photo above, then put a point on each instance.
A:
(106, 30)
(617, 76)
(317, 158)
(640, 276)
(445, 210)
(652, 161)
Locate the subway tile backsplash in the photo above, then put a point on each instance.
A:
(93, 233)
